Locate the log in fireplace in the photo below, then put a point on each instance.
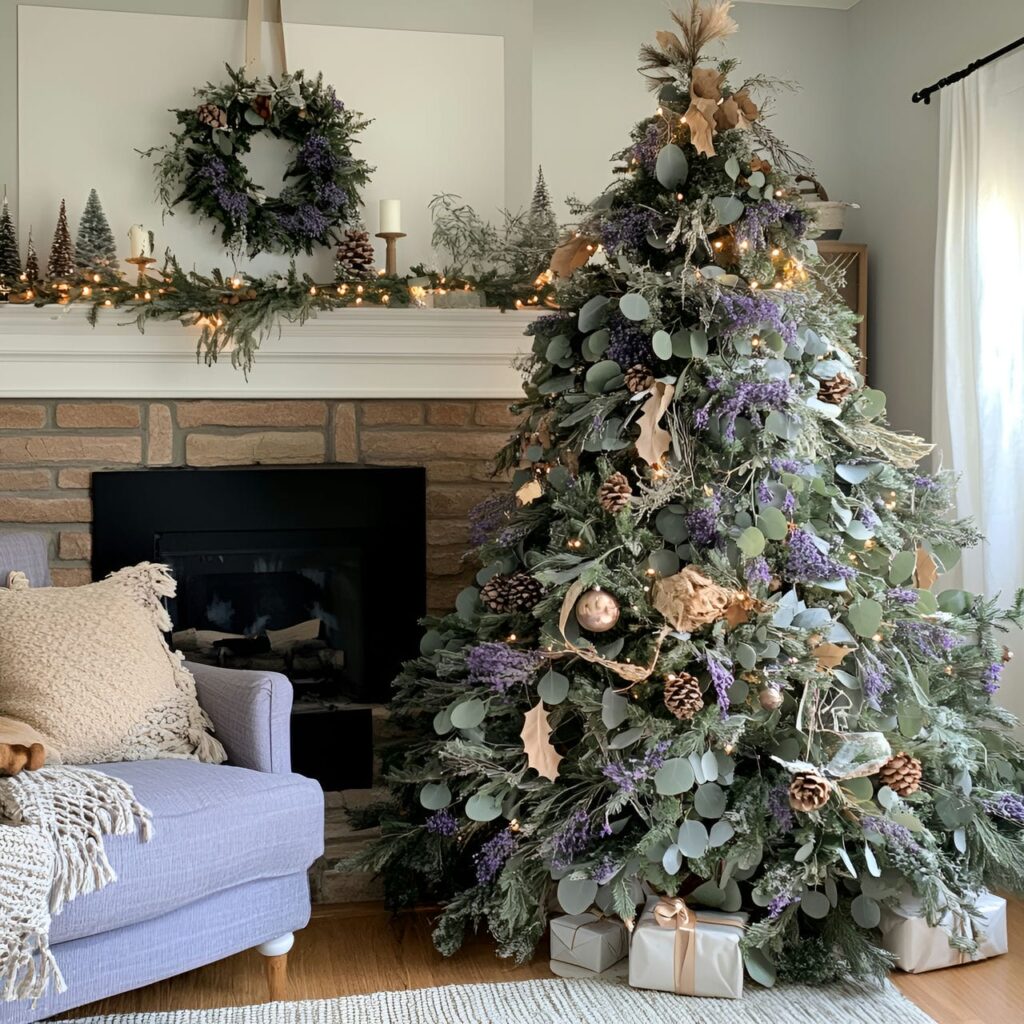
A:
(316, 572)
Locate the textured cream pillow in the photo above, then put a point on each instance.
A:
(89, 668)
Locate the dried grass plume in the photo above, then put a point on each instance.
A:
(699, 26)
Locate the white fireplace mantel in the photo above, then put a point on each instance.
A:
(53, 352)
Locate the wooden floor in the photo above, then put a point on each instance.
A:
(358, 948)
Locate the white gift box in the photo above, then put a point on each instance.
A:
(588, 941)
(919, 947)
(698, 954)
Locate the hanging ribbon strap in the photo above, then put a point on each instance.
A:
(254, 38)
(672, 912)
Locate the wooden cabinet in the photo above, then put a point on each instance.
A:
(853, 257)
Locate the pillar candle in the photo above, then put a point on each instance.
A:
(390, 216)
(139, 238)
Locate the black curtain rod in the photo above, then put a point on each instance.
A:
(957, 76)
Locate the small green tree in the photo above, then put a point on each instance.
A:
(10, 262)
(94, 246)
(541, 227)
(31, 260)
(61, 264)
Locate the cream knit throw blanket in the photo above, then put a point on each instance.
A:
(52, 824)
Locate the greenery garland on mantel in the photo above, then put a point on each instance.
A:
(236, 312)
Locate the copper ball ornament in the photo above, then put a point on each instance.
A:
(597, 611)
(770, 698)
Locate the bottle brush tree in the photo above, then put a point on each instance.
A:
(10, 259)
(95, 249)
(703, 653)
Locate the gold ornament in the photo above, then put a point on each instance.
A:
(808, 791)
(682, 696)
(901, 773)
(597, 611)
(770, 698)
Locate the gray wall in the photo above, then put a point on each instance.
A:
(896, 47)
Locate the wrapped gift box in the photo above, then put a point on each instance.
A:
(588, 941)
(686, 951)
(920, 947)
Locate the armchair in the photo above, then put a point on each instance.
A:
(226, 868)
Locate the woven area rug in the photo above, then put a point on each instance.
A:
(564, 1002)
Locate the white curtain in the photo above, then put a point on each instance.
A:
(978, 377)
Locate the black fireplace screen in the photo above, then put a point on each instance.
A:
(318, 573)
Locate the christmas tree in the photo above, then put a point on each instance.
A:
(703, 653)
(31, 260)
(61, 265)
(94, 246)
(541, 222)
(10, 260)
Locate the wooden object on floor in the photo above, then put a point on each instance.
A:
(854, 257)
(359, 948)
(275, 955)
(277, 977)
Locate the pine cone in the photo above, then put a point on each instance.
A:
(355, 257)
(515, 592)
(682, 696)
(808, 791)
(835, 389)
(638, 378)
(901, 773)
(614, 493)
(211, 115)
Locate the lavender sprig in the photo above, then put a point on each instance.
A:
(500, 667)
(722, 679)
(807, 563)
(628, 773)
(491, 857)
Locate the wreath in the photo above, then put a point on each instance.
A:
(203, 167)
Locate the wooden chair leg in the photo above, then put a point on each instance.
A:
(275, 953)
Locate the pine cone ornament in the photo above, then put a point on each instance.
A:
(354, 260)
(682, 696)
(211, 115)
(835, 389)
(614, 493)
(808, 791)
(638, 378)
(515, 592)
(901, 773)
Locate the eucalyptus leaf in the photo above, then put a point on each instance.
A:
(759, 967)
(443, 722)
(751, 542)
(815, 904)
(661, 343)
(675, 776)
(592, 313)
(732, 167)
(772, 523)
(435, 795)
(865, 616)
(626, 739)
(553, 687)
(901, 567)
(709, 800)
(728, 209)
(672, 860)
(709, 766)
(483, 807)
(634, 306)
(865, 911)
(469, 714)
(576, 895)
(671, 167)
(614, 709)
(693, 839)
(467, 603)
(721, 833)
(430, 642)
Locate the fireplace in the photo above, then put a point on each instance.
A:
(318, 573)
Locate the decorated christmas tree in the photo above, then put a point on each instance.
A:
(704, 654)
(95, 249)
(10, 260)
(61, 265)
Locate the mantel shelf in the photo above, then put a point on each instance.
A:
(53, 352)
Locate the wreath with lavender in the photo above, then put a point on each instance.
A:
(203, 167)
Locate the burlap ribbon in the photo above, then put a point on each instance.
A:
(672, 912)
(254, 34)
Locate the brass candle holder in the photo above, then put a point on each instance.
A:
(391, 253)
(141, 262)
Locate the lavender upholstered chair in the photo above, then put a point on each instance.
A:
(226, 867)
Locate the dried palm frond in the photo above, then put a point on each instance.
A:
(702, 24)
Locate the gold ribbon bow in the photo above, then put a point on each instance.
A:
(672, 912)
